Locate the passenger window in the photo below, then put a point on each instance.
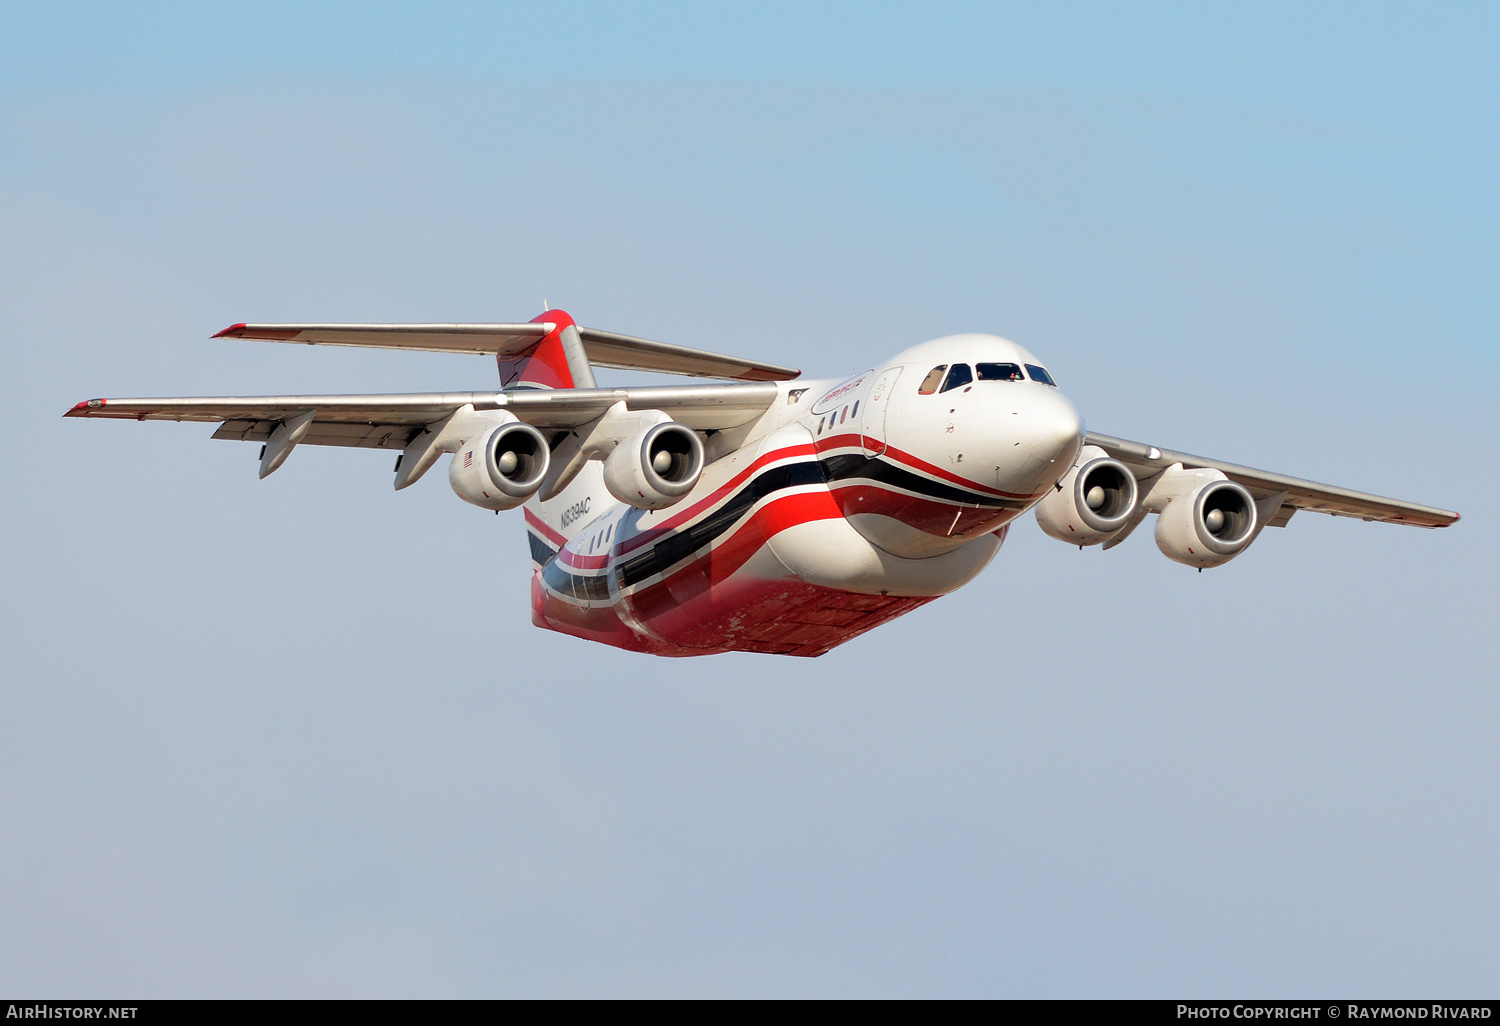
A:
(932, 380)
(1040, 374)
(999, 372)
(856, 408)
(959, 375)
(844, 416)
(820, 425)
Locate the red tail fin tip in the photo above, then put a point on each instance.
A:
(557, 361)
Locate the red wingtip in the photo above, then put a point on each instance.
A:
(233, 331)
(82, 409)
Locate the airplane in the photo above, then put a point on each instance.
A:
(764, 513)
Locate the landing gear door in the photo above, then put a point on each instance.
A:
(872, 417)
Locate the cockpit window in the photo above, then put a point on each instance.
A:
(959, 375)
(999, 372)
(1040, 374)
(930, 382)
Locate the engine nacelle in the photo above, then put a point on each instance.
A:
(656, 467)
(1093, 501)
(1207, 526)
(501, 468)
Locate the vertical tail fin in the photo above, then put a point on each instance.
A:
(557, 361)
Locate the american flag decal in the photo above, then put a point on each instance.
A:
(468, 459)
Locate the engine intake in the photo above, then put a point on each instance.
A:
(501, 468)
(1093, 501)
(1207, 526)
(656, 467)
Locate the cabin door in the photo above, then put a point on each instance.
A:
(872, 416)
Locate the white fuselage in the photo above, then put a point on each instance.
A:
(897, 483)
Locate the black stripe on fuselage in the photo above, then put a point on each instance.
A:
(846, 466)
(676, 546)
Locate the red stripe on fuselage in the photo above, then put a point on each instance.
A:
(535, 523)
(676, 606)
(828, 443)
(669, 596)
(770, 520)
(723, 491)
(939, 518)
(857, 442)
(702, 606)
(924, 514)
(927, 468)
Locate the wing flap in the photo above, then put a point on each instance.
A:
(700, 407)
(1148, 460)
(351, 435)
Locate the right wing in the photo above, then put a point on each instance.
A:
(392, 421)
(1147, 460)
(603, 348)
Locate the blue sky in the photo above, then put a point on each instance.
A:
(297, 737)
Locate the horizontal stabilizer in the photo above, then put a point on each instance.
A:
(603, 348)
(607, 349)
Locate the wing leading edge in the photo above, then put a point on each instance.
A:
(391, 421)
(1147, 460)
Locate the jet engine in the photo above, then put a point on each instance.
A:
(1093, 501)
(501, 468)
(1207, 526)
(656, 467)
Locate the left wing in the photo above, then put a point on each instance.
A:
(1147, 460)
(392, 421)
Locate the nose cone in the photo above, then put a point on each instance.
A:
(1055, 429)
(1048, 430)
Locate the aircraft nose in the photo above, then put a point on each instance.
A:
(1054, 434)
